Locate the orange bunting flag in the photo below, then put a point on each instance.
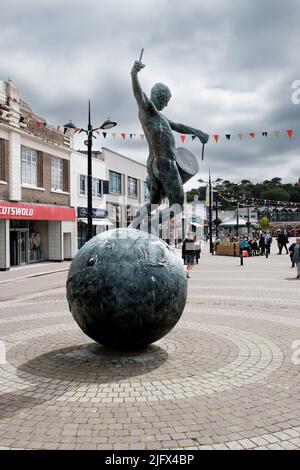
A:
(252, 134)
(290, 133)
(182, 138)
(216, 137)
(123, 135)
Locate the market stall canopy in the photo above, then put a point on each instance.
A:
(104, 222)
(233, 222)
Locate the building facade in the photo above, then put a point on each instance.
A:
(37, 221)
(121, 183)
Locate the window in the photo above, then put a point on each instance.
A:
(29, 166)
(146, 192)
(132, 186)
(115, 185)
(57, 174)
(82, 185)
(96, 186)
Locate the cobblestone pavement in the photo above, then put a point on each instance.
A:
(226, 377)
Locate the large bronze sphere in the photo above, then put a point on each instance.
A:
(126, 288)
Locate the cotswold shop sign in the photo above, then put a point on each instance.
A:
(35, 212)
(16, 211)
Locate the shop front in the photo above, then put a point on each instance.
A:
(100, 223)
(31, 233)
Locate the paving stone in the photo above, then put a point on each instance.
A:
(222, 379)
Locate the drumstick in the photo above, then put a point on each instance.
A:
(202, 151)
(141, 55)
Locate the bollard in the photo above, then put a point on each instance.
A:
(242, 260)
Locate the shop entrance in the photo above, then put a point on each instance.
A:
(18, 247)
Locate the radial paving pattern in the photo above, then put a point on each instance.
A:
(223, 378)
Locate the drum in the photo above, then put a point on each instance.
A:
(187, 163)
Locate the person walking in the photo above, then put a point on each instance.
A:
(296, 256)
(261, 244)
(188, 252)
(282, 241)
(268, 242)
(291, 251)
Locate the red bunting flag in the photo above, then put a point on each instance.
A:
(216, 137)
(123, 135)
(252, 134)
(182, 138)
(290, 133)
(38, 124)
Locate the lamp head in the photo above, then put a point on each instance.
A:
(108, 124)
(70, 125)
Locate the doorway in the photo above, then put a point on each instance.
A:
(18, 247)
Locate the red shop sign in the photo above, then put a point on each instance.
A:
(10, 210)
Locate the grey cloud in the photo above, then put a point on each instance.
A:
(229, 64)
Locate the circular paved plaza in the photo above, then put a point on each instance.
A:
(226, 377)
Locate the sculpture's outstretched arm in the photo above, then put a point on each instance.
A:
(183, 129)
(141, 98)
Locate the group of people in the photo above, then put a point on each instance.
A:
(256, 245)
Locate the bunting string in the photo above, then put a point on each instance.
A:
(244, 200)
(214, 137)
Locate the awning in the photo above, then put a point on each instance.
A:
(98, 222)
(195, 224)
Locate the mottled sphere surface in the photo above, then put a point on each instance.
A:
(126, 288)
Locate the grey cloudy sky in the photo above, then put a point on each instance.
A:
(229, 64)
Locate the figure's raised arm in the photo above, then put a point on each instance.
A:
(183, 129)
(141, 99)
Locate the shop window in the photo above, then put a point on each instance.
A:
(115, 182)
(29, 166)
(132, 186)
(56, 174)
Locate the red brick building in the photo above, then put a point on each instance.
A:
(37, 221)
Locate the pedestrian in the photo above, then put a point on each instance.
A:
(261, 244)
(244, 246)
(282, 241)
(188, 252)
(197, 247)
(268, 242)
(291, 250)
(296, 256)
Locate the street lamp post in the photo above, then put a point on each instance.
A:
(89, 131)
(210, 221)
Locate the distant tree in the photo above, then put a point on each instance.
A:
(226, 183)
(276, 194)
(246, 182)
(276, 181)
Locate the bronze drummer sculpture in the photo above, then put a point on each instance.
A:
(168, 168)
